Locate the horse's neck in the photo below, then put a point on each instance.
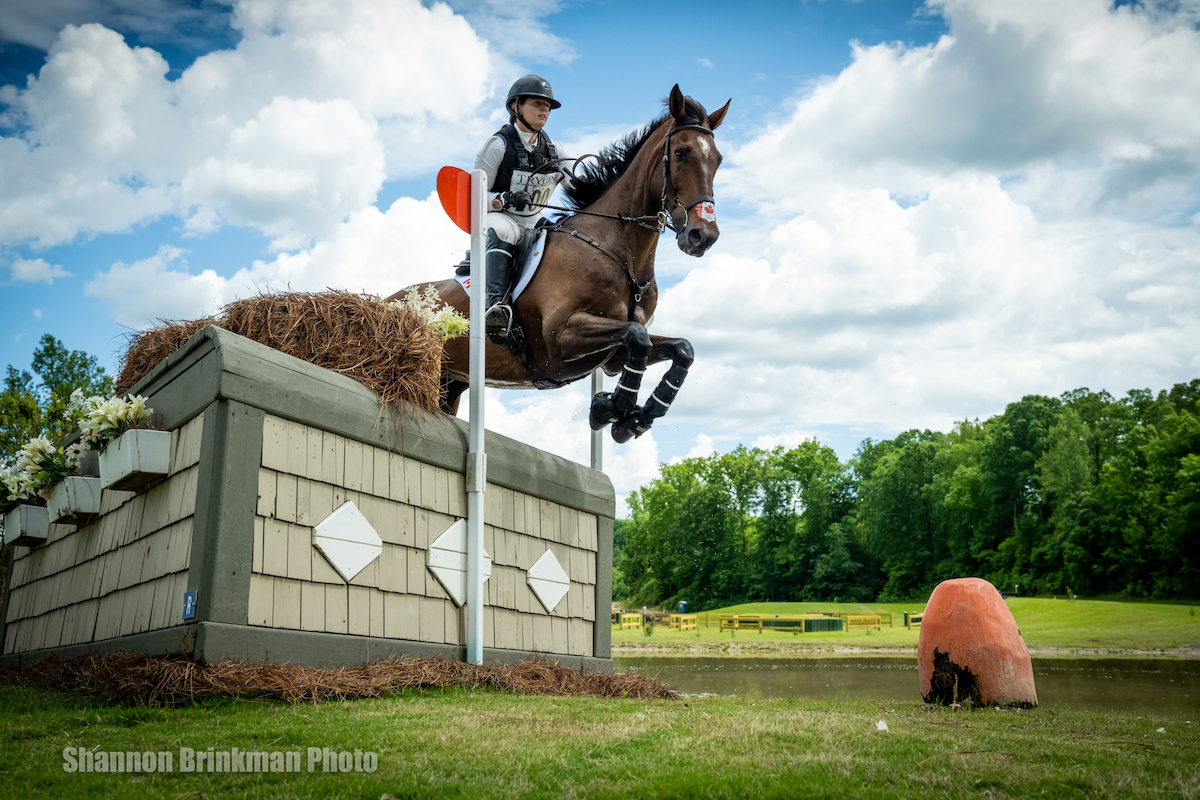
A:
(633, 195)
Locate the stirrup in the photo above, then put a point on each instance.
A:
(497, 322)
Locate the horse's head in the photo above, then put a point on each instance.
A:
(690, 160)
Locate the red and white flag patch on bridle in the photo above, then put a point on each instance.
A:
(706, 211)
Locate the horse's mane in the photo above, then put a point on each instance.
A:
(595, 176)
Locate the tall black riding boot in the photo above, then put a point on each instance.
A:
(497, 320)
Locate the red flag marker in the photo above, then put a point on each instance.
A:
(454, 190)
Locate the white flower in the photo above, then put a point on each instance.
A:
(137, 410)
(29, 459)
(431, 311)
(107, 419)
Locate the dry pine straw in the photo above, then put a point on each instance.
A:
(169, 680)
(388, 349)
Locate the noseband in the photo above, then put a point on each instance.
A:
(664, 216)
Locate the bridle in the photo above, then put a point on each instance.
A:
(665, 217)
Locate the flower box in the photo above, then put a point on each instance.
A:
(75, 501)
(27, 526)
(136, 460)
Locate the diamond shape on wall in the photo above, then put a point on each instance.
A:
(347, 541)
(548, 580)
(447, 560)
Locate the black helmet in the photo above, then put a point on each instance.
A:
(530, 86)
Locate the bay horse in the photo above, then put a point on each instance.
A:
(588, 304)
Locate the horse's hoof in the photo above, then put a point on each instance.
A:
(621, 434)
(602, 411)
(631, 427)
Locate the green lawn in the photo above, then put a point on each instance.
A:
(486, 744)
(1044, 623)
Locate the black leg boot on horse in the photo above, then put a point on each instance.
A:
(498, 319)
(620, 408)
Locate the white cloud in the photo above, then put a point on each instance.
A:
(704, 62)
(157, 288)
(517, 30)
(38, 24)
(703, 447)
(290, 132)
(37, 271)
(947, 228)
(290, 187)
(788, 440)
(373, 252)
(37, 313)
(861, 312)
(1107, 97)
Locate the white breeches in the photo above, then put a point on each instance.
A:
(508, 227)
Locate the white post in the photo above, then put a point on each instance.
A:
(597, 436)
(476, 477)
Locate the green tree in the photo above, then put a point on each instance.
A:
(1067, 477)
(1018, 515)
(897, 511)
(29, 409)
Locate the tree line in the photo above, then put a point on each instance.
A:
(1083, 494)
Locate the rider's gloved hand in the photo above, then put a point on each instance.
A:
(517, 201)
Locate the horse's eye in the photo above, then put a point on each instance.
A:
(680, 153)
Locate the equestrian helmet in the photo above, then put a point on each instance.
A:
(531, 86)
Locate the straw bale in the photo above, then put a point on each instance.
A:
(171, 680)
(388, 349)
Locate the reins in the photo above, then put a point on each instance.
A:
(662, 219)
(622, 218)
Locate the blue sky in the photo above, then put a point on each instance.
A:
(928, 210)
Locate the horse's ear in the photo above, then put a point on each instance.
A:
(675, 103)
(715, 118)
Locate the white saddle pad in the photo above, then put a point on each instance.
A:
(531, 265)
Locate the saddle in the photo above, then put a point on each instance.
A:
(529, 237)
(516, 342)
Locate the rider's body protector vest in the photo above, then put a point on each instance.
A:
(517, 172)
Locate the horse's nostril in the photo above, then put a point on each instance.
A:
(695, 237)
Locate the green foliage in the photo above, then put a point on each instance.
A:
(1081, 494)
(29, 409)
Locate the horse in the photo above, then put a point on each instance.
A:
(589, 302)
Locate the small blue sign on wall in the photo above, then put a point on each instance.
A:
(189, 604)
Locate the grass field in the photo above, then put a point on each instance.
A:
(485, 744)
(1046, 625)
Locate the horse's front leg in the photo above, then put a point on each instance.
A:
(621, 406)
(633, 420)
(587, 335)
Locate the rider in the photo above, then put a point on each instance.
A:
(517, 189)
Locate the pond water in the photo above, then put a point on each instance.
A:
(1110, 684)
